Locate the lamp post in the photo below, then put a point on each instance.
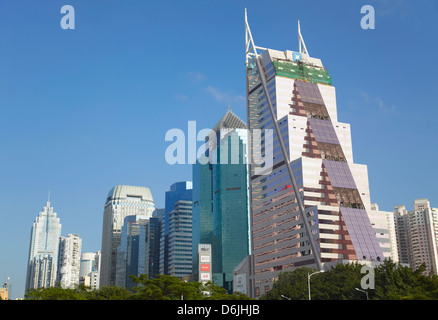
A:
(366, 292)
(308, 280)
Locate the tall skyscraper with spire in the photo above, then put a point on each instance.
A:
(310, 207)
(43, 250)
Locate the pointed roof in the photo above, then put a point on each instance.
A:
(230, 121)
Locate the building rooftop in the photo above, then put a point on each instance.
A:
(229, 121)
(130, 192)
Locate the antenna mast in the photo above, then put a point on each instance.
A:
(301, 41)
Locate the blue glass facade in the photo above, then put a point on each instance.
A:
(178, 191)
(221, 203)
(152, 247)
(131, 251)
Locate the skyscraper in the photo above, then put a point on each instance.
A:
(138, 252)
(180, 239)
(221, 200)
(152, 247)
(310, 206)
(178, 191)
(122, 201)
(43, 250)
(69, 261)
(131, 251)
(401, 221)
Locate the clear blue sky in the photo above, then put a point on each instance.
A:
(86, 109)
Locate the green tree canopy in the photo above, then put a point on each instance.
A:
(162, 287)
(392, 281)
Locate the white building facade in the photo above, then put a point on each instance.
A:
(89, 274)
(384, 228)
(69, 261)
(43, 250)
(292, 94)
(417, 235)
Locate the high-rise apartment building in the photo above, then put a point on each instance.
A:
(417, 234)
(122, 201)
(221, 200)
(180, 239)
(401, 222)
(384, 229)
(69, 261)
(178, 191)
(43, 250)
(311, 205)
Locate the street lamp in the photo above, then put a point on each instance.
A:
(308, 280)
(366, 292)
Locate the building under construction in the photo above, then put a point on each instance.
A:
(309, 207)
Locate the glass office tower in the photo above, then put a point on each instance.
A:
(293, 94)
(131, 251)
(178, 191)
(43, 250)
(180, 239)
(138, 252)
(152, 248)
(122, 201)
(221, 211)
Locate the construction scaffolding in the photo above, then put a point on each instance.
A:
(301, 71)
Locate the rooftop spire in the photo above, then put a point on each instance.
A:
(251, 48)
(301, 41)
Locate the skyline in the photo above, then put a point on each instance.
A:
(78, 103)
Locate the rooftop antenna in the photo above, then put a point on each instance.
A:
(301, 43)
(259, 65)
(48, 197)
(249, 42)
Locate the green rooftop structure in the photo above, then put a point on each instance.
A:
(301, 71)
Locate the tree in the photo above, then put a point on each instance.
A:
(164, 287)
(392, 282)
(55, 293)
(398, 282)
(110, 293)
